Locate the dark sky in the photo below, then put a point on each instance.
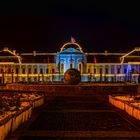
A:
(46, 26)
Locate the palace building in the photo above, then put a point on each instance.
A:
(45, 67)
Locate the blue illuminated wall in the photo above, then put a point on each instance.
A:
(70, 57)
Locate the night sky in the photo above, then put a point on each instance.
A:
(46, 26)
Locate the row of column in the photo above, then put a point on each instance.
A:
(112, 69)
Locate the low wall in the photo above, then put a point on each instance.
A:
(10, 123)
(131, 110)
(112, 87)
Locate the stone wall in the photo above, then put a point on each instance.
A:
(81, 88)
(10, 123)
(127, 107)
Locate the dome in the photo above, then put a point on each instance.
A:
(72, 76)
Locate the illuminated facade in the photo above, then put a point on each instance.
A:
(45, 67)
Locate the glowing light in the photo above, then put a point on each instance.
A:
(70, 43)
(19, 59)
(122, 58)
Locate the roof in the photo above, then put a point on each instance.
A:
(8, 56)
(38, 59)
(71, 45)
(71, 51)
(103, 58)
(5, 53)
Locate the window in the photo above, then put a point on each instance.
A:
(71, 65)
(23, 79)
(1, 70)
(52, 70)
(94, 71)
(88, 70)
(23, 70)
(47, 70)
(9, 70)
(35, 71)
(17, 70)
(35, 79)
(125, 70)
(106, 70)
(133, 70)
(118, 70)
(41, 71)
(112, 70)
(29, 70)
(101, 70)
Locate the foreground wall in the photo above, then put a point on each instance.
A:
(11, 122)
(126, 106)
(69, 89)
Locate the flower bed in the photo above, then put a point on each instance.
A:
(127, 103)
(12, 115)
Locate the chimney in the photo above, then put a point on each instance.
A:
(106, 53)
(34, 53)
(5, 49)
(14, 51)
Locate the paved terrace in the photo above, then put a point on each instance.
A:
(82, 116)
